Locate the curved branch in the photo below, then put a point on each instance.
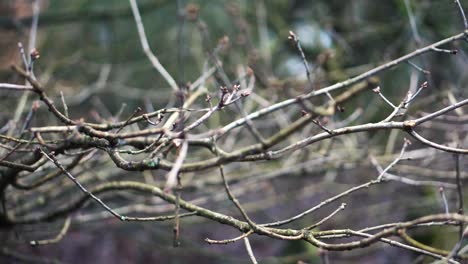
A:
(435, 145)
(343, 84)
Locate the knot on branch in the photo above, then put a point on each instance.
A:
(409, 124)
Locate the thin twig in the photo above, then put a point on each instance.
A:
(340, 85)
(146, 48)
(54, 160)
(377, 91)
(176, 228)
(459, 191)
(227, 241)
(297, 44)
(57, 238)
(455, 250)
(129, 119)
(339, 209)
(16, 87)
(425, 72)
(412, 21)
(444, 200)
(249, 250)
(462, 13)
(395, 161)
(64, 103)
(323, 203)
(171, 178)
(253, 225)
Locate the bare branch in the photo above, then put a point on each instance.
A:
(146, 48)
(249, 250)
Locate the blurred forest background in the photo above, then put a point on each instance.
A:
(91, 52)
